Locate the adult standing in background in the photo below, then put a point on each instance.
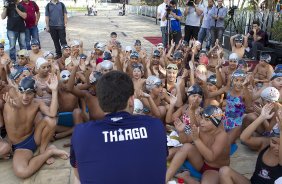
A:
(218, 14)
(205, 27)
(56, 22)
(31, 21)
(193, 12)
(15, 25)
(163, 24)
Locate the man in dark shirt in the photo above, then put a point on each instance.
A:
(56, 22)
(15, 25)
(31, 21)
(258, 39)
(121, 148)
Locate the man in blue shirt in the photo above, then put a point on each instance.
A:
(175, 17)
(121, 148)
(218, 13)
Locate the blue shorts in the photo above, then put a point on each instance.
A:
(28, 143)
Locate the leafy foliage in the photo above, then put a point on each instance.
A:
(276, 30)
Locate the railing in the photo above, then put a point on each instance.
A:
(243, 18)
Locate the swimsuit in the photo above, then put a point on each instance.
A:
(234, 111)
(206, 167)
(28, 143)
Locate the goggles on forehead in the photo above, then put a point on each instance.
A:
(22, 90)
(172, 67)
(138, 110)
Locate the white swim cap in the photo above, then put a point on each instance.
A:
(138, 107)
(40, 61)
(152, 81)
(270, 94)
(106, 65)
(128, 48)
(101, 47)
(74, 43)
(234, 57)
(65, 75)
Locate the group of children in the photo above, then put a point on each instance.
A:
(205, 101)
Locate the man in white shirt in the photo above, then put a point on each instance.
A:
(193, 12)
(163, 24)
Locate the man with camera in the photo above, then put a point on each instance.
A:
(163, 24)
(193, 12)
(218, 14)
(15, 25)
(174, 15)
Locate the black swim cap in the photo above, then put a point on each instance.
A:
(27, 84)
(212, 79)
(34, 42)
(239, 38)
(156, 53)
(195, 89)
(137, 42)
(178, 55)
(1, 46)
(213, 113)
(16, 71)
(107, 56)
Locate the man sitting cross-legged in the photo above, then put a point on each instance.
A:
(19, 114)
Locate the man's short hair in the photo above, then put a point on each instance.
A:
(113, 34)
(256, 22)
(172, 2)
(113, 91)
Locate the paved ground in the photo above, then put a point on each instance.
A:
(90, 30)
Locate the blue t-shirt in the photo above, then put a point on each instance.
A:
(174, 23)
(121, 148)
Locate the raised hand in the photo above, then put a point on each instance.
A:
(9, 100)
(52, 83)
(179, 125)
(76, 62)
(266, 111)
(279, 119)
(195, 132)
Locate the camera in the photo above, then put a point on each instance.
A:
(9, 3)
(190, 3)
(231, 11)
(168, 8)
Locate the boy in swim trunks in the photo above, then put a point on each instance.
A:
(210, 150)
(19, 114)
(263, 70)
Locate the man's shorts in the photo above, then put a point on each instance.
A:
(28, 143)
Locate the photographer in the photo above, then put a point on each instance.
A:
(163, 24)
(193, 12)
(218, 14)
(15, 25)
(174, 15)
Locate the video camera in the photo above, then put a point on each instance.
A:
(168, 9)
(231, 10)
(190, 3)
(9, 3)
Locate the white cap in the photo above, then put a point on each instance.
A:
(74, 43)
(65, 75)
(101, 46)
(106, 64)
(40, 61)
(233, 57)
(138, 107)
(160, 46)
(201, 68)
(128, 48)
(278, 181)
(270, 94)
